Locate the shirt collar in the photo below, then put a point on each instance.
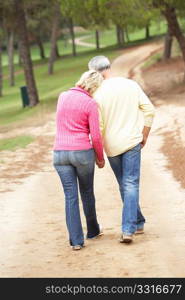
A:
(79, 89)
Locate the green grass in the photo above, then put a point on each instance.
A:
(157, 57)
(108, 37)
(65, 48)
(67, 70)
(14, 143)
(152, 60)
(66, 73)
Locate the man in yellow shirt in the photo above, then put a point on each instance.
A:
(126, 116)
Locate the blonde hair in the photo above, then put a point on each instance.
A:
(90, 81)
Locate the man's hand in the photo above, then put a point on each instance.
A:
(100, 164)
(145, 132)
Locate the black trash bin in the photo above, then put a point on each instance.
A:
(25, 97)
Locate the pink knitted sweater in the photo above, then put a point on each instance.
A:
(76, 118)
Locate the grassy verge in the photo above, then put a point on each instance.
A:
(66, 73)
(152, 60)
(67, 70)
(65, 48)
(14, 143)
(157, 57)
(108, 37)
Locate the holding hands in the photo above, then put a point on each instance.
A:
(100, 164)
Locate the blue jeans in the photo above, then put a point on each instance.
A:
(75, 167)
(126, 168)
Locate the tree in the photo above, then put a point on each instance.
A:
(147, 28)
(89, 13)
(97, 18)
(140, 8)
(120, 35)
(39, 22)
(54, 36)
(71, 29)
(11, 57)
(75, 12)
(1, 44)
(43, 20)
(171, 9)
(1, 67)
(72, 10)
(19, 53)
(120, 12)
(126, 34)
(18, 6)
(167, 45)
(8, 25)
(40, 45)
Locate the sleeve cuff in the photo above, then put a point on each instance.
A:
(148, 122)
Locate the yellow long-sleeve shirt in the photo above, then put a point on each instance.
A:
(124, 110)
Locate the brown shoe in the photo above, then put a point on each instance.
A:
(139, 231)
(124, 238)
(77, 247)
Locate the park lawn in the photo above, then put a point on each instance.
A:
(16, 142)
(108, 37)
(64, 49)
(64, 46)
(66, 72)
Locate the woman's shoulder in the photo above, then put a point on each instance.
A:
(63, 94)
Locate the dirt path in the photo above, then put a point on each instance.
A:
(34, 238)
(79, 41)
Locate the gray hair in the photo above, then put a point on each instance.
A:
(99, 63)
(90, 81)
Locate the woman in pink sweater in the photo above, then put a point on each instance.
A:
(75, 154)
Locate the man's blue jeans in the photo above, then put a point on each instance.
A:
(75, 167)
(126, 168)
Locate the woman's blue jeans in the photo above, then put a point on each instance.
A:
(126, 168)
(75, 167)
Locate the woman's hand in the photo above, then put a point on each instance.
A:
(100, 164)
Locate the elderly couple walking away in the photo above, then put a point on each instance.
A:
(101, 111)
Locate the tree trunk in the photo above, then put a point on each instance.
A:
(54, 31)
(71, 29)
(174, 27)
(147, 31)
(41, 47)
(57, 51)
(167, 46)
(120, 36)
(97, 39)
(19, 54)
(25, 52)
(11, 57)
(126, 34)
(117, 34)
(1, 71)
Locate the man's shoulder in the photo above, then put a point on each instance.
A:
(115, 86)
(123, 80)
(118, 81)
